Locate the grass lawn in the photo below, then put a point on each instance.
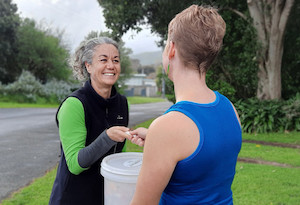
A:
(256, 184)
(289, 137)
(269, 153)
(131, 100)
(26, 105)
(141, 100)
(253, 184)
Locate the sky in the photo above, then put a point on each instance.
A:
(77, 18)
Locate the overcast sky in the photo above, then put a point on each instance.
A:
(77, 18)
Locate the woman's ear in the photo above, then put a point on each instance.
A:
(88, 67)
(171, 53)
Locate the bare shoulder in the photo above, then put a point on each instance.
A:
(171, 123)
(172, 132)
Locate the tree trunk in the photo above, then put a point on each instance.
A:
(269, 19)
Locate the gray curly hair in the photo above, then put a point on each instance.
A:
(84, 53)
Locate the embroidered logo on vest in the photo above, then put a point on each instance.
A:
(119, 117)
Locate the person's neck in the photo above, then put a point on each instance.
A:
(104, 92)
(191, 86)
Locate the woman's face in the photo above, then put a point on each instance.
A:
(105, 68)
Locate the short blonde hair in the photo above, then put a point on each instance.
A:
(198, 33)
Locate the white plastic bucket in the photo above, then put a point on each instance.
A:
(120, 172)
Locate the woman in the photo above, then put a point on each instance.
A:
(92, 124)
(190, 152)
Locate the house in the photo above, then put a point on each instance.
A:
(139, 85)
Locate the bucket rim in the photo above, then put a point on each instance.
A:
(119, 171)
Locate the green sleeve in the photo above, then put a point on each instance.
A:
(72, 132)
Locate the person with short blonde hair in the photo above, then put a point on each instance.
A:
(190, 152)
(198, 47)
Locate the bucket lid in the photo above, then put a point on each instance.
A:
(125, 163)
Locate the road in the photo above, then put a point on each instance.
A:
(29, 142)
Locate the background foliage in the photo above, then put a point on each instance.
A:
(269, 116)
(41, 52)
(236, 64)
(28, 89)
(33, 58)
(9, 23)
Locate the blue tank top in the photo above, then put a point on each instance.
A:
(205, 177)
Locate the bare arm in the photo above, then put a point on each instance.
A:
(164, 138)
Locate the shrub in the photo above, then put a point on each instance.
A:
(56, 91)
(25, 89)
(269, 116)
(291, 110)
(224, 88)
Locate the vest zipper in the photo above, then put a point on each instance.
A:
(106, 113)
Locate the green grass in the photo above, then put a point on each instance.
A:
(266, 185)
(289, 138)
(131, 100)
(269, 153)
(253, 183)
(141, 100)
(37, 193)
(26, 105)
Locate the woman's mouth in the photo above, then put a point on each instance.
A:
(109, 74)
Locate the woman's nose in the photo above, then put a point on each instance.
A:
(110, 64)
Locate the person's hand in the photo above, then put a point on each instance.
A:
(138, 141)
(119, 133)
(140, 132)
(139, 136)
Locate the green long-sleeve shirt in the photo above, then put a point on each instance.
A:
(72, 132)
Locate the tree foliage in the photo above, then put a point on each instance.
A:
(237, 64)
(41, 53)
(291, 58)
(9, 22)
(27, 46)
(120, 16)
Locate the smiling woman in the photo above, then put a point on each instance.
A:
(105, 68)
(92, 124)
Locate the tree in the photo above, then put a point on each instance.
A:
(234, 66)
(41, 53)
(237, 64)
(9, 23)
(270, 18)
(131, 14)
(291, 59)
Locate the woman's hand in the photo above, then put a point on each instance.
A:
(119, 133)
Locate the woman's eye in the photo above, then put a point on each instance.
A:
(103, 60)
(116, 61)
